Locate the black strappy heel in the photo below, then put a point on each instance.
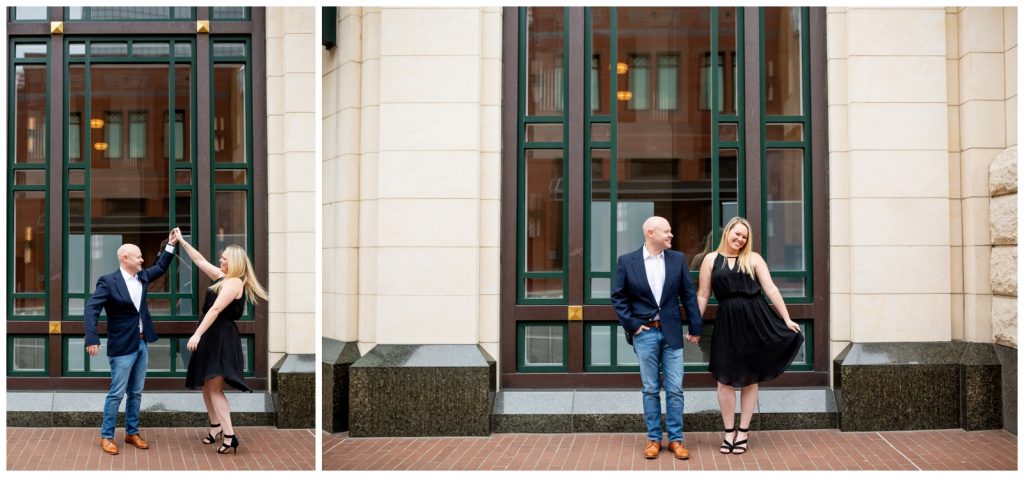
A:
(210, 438)
(727, 446)
(224, 448)
(736, 445)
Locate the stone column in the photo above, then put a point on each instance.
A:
(291, 148)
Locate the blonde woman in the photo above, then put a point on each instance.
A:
(750, 343)
(216, 346)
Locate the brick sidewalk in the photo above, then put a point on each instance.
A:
(63, 448)
(769, 450)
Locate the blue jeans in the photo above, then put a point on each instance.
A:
(652, 353)
(127, 373)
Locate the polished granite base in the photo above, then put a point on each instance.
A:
(338, 356)
(622, 411)
(421, 390)
(294, 386)
(159, 409)
(912, 386)
(1008, 362)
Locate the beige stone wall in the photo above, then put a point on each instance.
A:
(342, 70)
(888, 175)
(416, 116)
(920, 103)
(291, 164)
(1003, 212)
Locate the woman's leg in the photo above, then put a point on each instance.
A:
(210, 410)
(748, 399)
(727, 404)
(220, 403)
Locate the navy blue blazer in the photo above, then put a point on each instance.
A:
(634, 301)
(122, 317)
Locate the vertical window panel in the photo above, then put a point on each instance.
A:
(636, 90)
(29, 114)
(544, 195)
(79, 129)
(784, 233)
(230, 219)
(229, 125)
(668, 84)
(30, 243)
(783, 78)
(602, 69)
(545, 47)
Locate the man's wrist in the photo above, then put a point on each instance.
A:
(169, 248)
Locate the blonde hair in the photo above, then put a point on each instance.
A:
(745, 252)
(239, 266)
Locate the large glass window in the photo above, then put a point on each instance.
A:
(625, 113)
(127, 195)
(154, 131)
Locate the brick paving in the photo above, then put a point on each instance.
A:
(64, 448)
(828, 449)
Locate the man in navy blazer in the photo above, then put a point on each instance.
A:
(129, 327)
(649, 284)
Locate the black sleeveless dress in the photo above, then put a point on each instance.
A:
(220, 348)
(750, 343)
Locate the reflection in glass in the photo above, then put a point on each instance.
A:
(543, 201)
(727, 25)
(784, 192)
(30, 50)
(783, 81)
(544, 288)
(624, 353)
(100, 362)
(229, 113)
(29, 114)
(30, 13)
(230, 219)
(129, 13)
(28, 354)
(784, 132)
(791, 286)
(29, 307)
(76, 355)
(600, 345)
(159, 356)
(664, 156)
(543, 133)
(544, 52)
(30, 241)
(78, 127)
(543, 345)
(601, 67)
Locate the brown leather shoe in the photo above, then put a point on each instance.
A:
(108, 446)
(136, 440)
(652, 450)
(679, 450)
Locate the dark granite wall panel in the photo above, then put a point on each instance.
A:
(421, 390)
(295, 392)
(338, 356)
(981, 388)
(1008, 364)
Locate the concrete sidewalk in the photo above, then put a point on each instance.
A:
(178, 448)
(821, 449)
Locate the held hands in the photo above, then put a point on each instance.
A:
(93, 350)
(693, 339)
(171, 238)
(193, 343)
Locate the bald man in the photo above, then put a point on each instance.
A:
(129, 329)
(650, 286)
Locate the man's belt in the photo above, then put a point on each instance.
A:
(653, 324)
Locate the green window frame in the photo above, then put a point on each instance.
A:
(525, 121)
(14, 169)
(182, 304)
(521, 363)
(12, 15)
(11, 360)
(232, 51)
(230, 13)
(804, 145)
(175, 344)
(96, 14)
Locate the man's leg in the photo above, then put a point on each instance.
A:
(135, 383)
(120, 370)
(672, 368)
(647, 346)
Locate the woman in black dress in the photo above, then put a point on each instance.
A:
(750, 342)
(216, 346)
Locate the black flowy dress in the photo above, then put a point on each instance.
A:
(219, 352)
(750, 343)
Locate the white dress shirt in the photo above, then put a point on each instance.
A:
(655, 267)
(135, 286)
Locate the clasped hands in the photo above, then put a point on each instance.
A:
(691, 338)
